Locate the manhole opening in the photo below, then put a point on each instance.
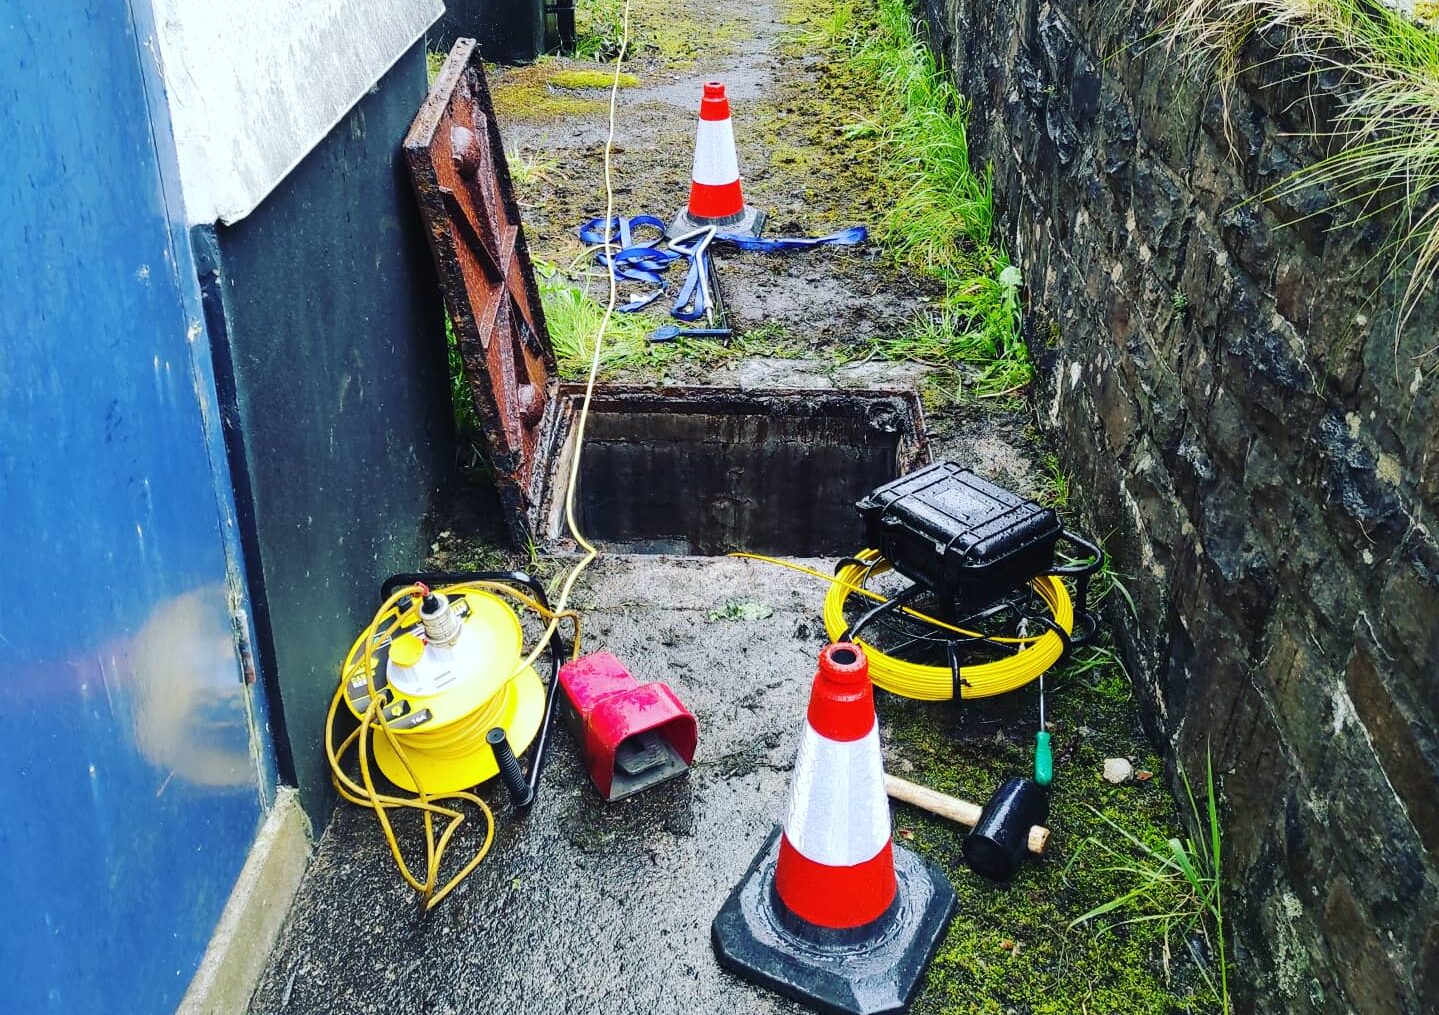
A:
(704, 471)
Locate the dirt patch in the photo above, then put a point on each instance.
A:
(791, 115)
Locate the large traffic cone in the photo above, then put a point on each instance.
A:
(715, 195)
(832, 913)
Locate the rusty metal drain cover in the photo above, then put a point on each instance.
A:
(462, 182)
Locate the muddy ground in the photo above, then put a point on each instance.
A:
(587, 907)
(797, 166)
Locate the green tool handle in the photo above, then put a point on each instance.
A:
(1043, 759)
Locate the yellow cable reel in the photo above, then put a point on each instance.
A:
(1032, 658)
(439, 700)
(424, 706)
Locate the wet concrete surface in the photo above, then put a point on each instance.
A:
(584, 906)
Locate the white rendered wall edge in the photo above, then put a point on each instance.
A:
(254, 914)
(253, 87)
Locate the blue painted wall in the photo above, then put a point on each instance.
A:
(135, 765)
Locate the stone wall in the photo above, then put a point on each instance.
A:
(1245, 426)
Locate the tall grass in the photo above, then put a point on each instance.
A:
(1176, 883)
(941, 220)
(1386, 138)
(573, 319)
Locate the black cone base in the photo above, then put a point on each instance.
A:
(747, 223)
(866, 971)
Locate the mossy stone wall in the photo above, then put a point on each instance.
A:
(1263, 451)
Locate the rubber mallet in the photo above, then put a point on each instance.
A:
(961, 811)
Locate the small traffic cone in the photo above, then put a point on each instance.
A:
(715, 195)
(831, 912)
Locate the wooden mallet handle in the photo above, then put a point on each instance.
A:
(953, 808)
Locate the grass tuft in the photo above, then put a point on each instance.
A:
(599, 28)
(470, 437)
(1175, 883)
(1055, 491)
(573, 318)
(1386, 138)
(940, 222)
(529, 169)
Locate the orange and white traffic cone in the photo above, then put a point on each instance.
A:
(831, 912)
(715, 195)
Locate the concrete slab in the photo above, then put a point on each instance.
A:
(759, 372)
(586, 906)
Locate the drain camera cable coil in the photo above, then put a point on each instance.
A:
(1032, 657)
(936, 683)
(420, 752)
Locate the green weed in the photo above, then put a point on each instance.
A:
(1099, 668)
(573, 318)
(1108, 582)
(742, 609)
(536, 167)
(977, 326)
(1387, 133)
(1055, 493)
(599, 27)
(433, 62)
(1175, 883)
(462, 401)
(941, 221)
(837, 29)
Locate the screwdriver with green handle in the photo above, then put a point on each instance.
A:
(1043, 758)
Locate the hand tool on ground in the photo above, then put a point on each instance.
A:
(670, 332)
(698, 283)
(954, 809)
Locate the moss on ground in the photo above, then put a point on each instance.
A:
(586, 78)
(668, 32)
(1009, 948)
(527, 93)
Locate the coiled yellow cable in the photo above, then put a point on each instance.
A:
(463, 738)
(936, 683)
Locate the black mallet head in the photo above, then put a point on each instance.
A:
(1000, 841)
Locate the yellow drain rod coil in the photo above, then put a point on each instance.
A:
(424, 704)
(1034, 655)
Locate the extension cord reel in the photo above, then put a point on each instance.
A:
(446, 674)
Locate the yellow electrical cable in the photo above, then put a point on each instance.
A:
(562, 601)
(936, 683)
(876, 597)
(366, 795)
(460, 739)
